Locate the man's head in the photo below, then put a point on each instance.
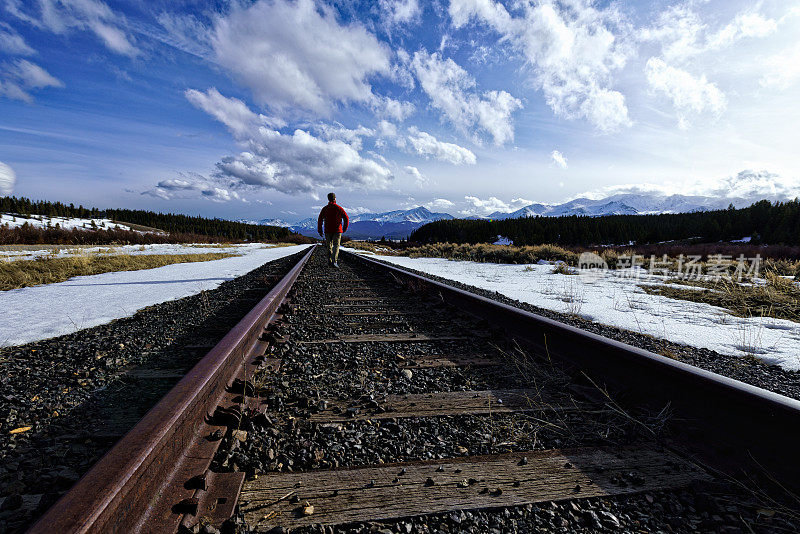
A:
(331, 197)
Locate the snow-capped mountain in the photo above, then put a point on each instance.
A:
(275, 222)
(418, 215)
(741, 190)
(390, 224)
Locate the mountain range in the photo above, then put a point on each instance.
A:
(391, 224)
(741, 190)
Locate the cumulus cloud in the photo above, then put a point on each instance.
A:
(351, 136)
(191, 185)
(418, 176)
(290, 163)
(13, 43)
(61, 16)
(8, 179)
(452, 91)
(398, 110)
(783, 69)
(481, 207)
(756, 185)
(439, 204)
(573, 49)
(558, 158)
(231, 112)
(301, 163)
(21, 76)
(689, 94)
(426, 145)
(297, 54)
(396, 12)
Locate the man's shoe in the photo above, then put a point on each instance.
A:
(336, 264)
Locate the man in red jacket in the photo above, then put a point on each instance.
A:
(333, 215)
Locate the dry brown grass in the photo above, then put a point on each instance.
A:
(480, 252)
(562, 268)
(24, 273)
(778, 297)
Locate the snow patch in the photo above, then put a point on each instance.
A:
(41, 312)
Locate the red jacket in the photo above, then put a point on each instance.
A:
(333, 215)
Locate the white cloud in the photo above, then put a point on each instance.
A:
(747, 184)
(12, 90)
(559, 159)
(439, 204)
(452, 91)
(756, 185)
(13, 43)
(231, 112)
(33, 76)
(572, 47)
(427, 145)
(418, 176)
(745, 24)
(483, 207)
(296, 163)
(397, 12)
(783, 69)
(21, 76)
(296, 54)
(351, 136)
(387, 129)
(191, 185)
(8, 179)
(398, 110)
(183, 31)
(689, 94)
(301, 163)
(60, 16)
(682, 33)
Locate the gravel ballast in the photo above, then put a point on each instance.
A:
(747, 369)
(361, 375)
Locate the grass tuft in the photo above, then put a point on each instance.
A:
(778, 297)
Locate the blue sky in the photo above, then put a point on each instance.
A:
(257, 109)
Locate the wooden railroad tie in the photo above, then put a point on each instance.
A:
(432, 361)
(393, 338)
(436, 486)
(438, 404)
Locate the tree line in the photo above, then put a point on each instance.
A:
(764, 222)
(172, 223)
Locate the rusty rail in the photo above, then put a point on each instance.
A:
(157, 475)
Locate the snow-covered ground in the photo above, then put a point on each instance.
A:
(23, 252)
(611, 298)
(40, 312)
(66, 223)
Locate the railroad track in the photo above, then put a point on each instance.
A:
(370, 398)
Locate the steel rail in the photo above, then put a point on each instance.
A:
(743, 422)
(136, 486)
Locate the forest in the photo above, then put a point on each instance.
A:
(763, 222)
(183, 226)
